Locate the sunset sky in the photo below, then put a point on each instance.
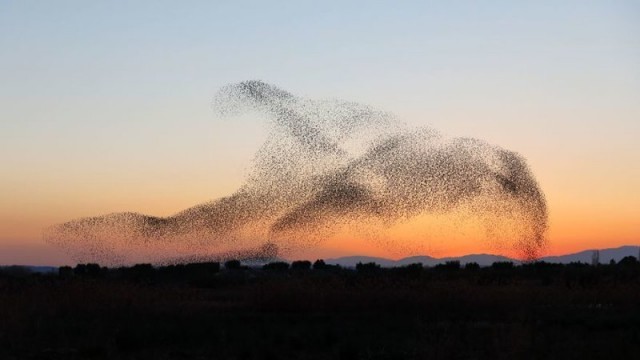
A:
(105, 106)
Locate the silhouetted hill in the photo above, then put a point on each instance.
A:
(606, 255)
(424, 260)
(33, 269)
(351, 261)
(481, 259)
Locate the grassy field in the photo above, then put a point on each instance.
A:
(535, 311)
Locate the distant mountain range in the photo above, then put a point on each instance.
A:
(33, 269)
(606, 255)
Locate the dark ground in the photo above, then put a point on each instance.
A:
(535, 311)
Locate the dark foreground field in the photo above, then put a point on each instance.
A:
(535, 311)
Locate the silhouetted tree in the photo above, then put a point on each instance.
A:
(367, 268)
(15, 271)
(628, 260)
(502, 265)
(80, 270)
(541, 270)
(93, 270)
(197, 274)
(89, 270)
(627, 268)
(301, 265)
(203, 268)
(449, 266)
(319, 265)
(65, 272)
(140, 272)
(412, 270)
(472, 266)
(233, 265)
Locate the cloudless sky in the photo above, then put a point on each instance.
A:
(105, 105)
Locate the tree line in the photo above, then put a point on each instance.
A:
(212, 273)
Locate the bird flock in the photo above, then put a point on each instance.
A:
(327, 166)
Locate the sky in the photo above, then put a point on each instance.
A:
(105, 106)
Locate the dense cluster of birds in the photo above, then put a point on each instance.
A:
(325, 165)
